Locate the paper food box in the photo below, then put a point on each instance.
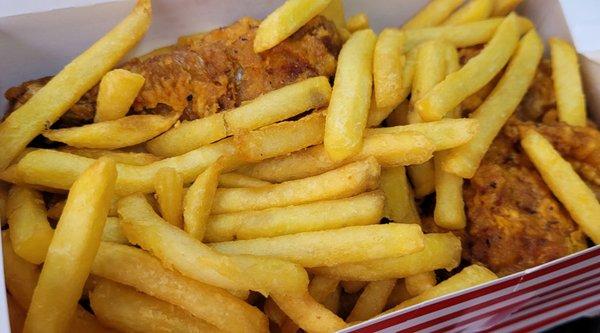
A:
(40, 43)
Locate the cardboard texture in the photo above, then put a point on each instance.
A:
(41, 43)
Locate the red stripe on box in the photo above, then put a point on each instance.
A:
(558, 317)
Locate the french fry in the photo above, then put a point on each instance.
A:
(362, 209)
(335, 13)
(469, 277)
(308, 313)
(234, 179)
(29, 230)
(117, 91)
(388, 66)
(188, 135)
(498, 107)
(475, 10)
(113, 134)
(400, 204)
(441, 251)
(503, 7)
(332, 301)
(372, 300)
(131, 158)
(281, 138)
(419, 283)
(358, 177)
(357, 22)
(482, 68)
(79, 76)
(112, 231)
(463, 35)
(352, 287)
(16, 314)
(389, 149)
(156, 52)
(376, 114)
(56, 210)
(198, 201)
(434, 13)
(286, 20)
(138, 269)
(127, 310)
(565, 183)
(72, 250)
(59, 170)
(321, 286)
(570, 100)
(274, 313)
(398, 294)
(176, 248)
(399, 115)
(349, 105)
(169, 193)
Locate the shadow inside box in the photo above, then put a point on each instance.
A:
(582, 325)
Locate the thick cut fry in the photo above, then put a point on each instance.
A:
(234, 180)
(189, 135)
(321, 215)
(390, 150)
(398, 294)
(434, 13)
(29, 230)
(112, 134)
(422, 176)
(475, 10)
(177, 249)
(357, 22)
(308, 313)
(286, 20)
(449, 212)
(376, 114)
(124, 157)
(357, 177)
(503, 7)
(332, 301)
(463, 35)
(441, 251)
(279, 105)
(127, 310)
(570, 100)
(419, 283)
(372, 300)
(352, 287)
(118, 89)
(565, 183)
(112, 231)
(351, 95)
(65, 88)
(281, 138)
(388, 65)
(72, 249)
(198, 201)
(16, 314)
(56, 210)
(59, 170)
(335, 13)
(463, 161)
(321, 286)
(482, 68)
(469, 277)
(399, 116)
(400, 204)
(274, 313)
(169, 194)
(138, 269)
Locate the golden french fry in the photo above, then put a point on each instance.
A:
(65, 88)
(463, 161)
(357, 22)
(419, 283)
(482, 68)
(188, 135)
(570, 100)
(113, 232)
(398, 294)
(463, 35)
(169, 193)
(362, 209)
(127, 310)
(138, 269)
(112, 134)
(16, 314)
(29, 230)
(274, 313)
(389, 149)
(422, 176)
(372, 300)
(350, 98)
(308, 314)
(469, 277)
(441, 251)
(72, 250)
(234, 179)
(449, 212)
(352, 287)
(388, 66)
(124, 157)
(117, 91)
(322, 286)
(503, 7)
(376, 114)
(565, 183)
(333, 247)
(198, 201)
(332, 301)
(177, 249)
(400, 204)
(475, 10)
(335, 13)
(281, 138)
(56, 210)
(358, 177)
(434, 13)
(286, 20)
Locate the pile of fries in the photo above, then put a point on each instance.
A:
(227, 222)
